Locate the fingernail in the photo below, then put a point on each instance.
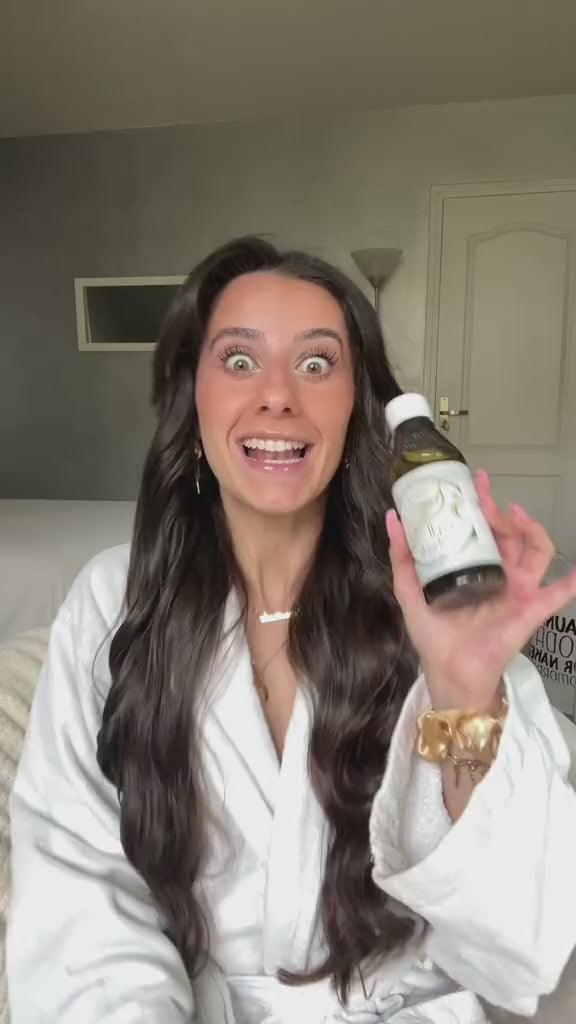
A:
(484, 480)
(391, 516)
(518, 511)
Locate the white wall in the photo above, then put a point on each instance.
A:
(153, 202)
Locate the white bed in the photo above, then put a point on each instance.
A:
(43, 544)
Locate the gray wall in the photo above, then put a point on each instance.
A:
(153, 202)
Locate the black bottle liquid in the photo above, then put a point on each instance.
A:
(456, 556)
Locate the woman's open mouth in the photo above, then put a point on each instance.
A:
(275, 453)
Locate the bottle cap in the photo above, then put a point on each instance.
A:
(407, 407)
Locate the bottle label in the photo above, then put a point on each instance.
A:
(441, 515)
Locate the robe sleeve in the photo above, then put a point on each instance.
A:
(85, 942)
(497, 887)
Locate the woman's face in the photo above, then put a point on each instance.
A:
(274, 392)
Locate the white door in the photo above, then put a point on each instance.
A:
(502, 340)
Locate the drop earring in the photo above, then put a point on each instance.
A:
(198, 451)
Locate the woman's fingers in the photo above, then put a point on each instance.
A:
(523, 542)
(538, 546)
(526, 550)
(508, 538)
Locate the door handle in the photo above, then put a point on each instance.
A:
(445, 412)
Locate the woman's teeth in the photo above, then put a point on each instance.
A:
(273, 445)
(274, 450)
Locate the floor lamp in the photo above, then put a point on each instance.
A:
(377, 265)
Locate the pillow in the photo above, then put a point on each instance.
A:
(43, 546)
(20, 663)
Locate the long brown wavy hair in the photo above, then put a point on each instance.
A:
(348, 639)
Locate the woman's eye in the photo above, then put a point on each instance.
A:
(316, 366)
(239, 362)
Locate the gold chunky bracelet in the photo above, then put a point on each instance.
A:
(440, 731)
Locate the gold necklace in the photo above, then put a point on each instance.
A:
(260, 687)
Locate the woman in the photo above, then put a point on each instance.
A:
(219, 814)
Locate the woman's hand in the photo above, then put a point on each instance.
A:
(464, 652)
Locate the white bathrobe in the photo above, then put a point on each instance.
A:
(85, 945)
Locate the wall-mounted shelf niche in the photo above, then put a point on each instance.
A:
(121, 314)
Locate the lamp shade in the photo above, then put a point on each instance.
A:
(377, 264)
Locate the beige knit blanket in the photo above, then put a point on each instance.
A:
(20, 662)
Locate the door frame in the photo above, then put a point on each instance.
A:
(438, 194)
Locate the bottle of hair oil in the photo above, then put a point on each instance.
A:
(456, 556)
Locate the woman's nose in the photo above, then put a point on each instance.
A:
(278, 393)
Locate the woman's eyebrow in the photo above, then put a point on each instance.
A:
(320, 332)
(250, 334)
(247, 333)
